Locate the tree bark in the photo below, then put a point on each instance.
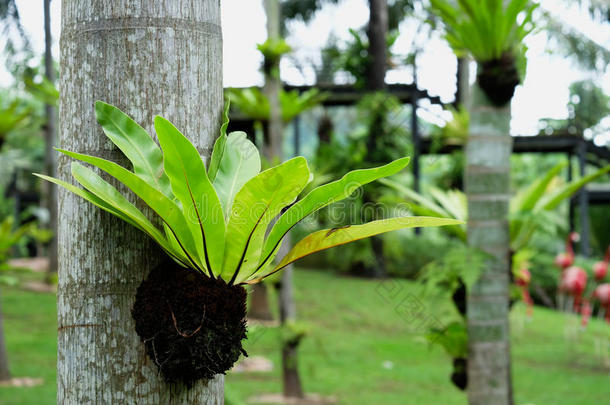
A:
(272, 146)
(462, 77)
(376, 33)
(5, 374)
(147, 57)
(272, 149)
(288, 313)
(487, 188)
(273, 85)
(259, 303)
(50, 194)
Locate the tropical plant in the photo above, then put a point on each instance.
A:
(273, 49)
(490, 32)
(216, 221)
(255, 104)
(217, 224)
(486, 29)
(11, 236)
(531, 209)
(13, 116)
(353, 56)
(455, 130)
(450, 278)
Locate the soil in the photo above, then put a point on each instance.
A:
(310, 399)
(192, 325)
(459, 377)
(21, 382)
(498, 79)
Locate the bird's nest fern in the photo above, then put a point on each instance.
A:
(221, 226)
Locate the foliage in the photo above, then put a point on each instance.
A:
(255, 104)
(217, 221)
(273, 49)
(304, 10)
(10, 237)
(600, 217)
(588, 104)
(353, 56)
(406, 254)
(13, 116)
(461, 265)
(573, 44)
(41, 88)
(531, 209)
(378, 135)
(17, 48)
(453, 338)
(487, 29)
(292, 332)
(455, 131)
(443, 204)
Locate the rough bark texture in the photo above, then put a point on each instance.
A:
(50, 194)
(376, 32)
(4, 370)
(487, 188)
(147, 57)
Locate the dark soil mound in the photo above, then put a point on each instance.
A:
(192, 325)
(459, 377)
(498, 79)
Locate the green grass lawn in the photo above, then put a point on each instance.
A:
(363, 349)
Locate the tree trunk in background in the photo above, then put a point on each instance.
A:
(147, 57)
(288, 313)
(272, 149)
(462, 78)
(50, 193)
(259, 303)
(273, 85)
(376, 32)
(4, 370)
(487, 179)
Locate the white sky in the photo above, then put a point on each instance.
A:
(544, 93)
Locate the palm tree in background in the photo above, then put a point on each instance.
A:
(489, 32)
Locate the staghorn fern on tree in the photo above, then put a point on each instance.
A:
(217, 227)
(487, 29)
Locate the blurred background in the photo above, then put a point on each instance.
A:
(379, 321)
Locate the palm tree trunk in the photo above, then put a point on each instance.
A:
(377, 31)
(50, 195)
(272, 148)
(154, 57)
(288, 313)
(487, 188)
(273, 84)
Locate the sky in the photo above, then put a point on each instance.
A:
(544, 93)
